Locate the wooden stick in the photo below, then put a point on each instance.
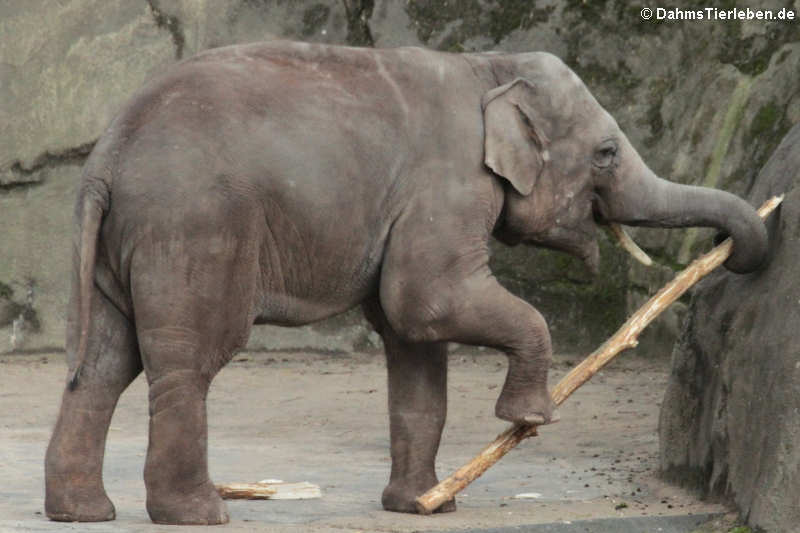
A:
(626, 337)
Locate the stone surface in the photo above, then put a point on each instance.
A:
(66, 68)
(730, 421)
(704, 102)
(35, 260)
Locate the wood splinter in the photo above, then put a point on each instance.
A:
(626, 337)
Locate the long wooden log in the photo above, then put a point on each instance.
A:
(626, 337)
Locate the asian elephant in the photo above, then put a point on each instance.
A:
(286, 182)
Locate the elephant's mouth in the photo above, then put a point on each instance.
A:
(577, 239)
(578, 242)
(583, 245)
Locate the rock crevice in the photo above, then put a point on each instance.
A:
(18, 175)
(172, 24)
(358, 15)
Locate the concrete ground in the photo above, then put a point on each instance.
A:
(322, 419)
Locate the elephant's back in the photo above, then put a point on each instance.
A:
(310, 144)
(281, 114)
(273, 113)
(193, 160)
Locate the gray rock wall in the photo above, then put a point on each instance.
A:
(730, 420)
(704, 102)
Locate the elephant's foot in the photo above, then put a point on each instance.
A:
(202, 506)
(73, 469)
(74, 503)
(401, 498)
(526, 405)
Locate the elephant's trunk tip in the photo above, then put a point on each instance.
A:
(756, 244)
(749, 233)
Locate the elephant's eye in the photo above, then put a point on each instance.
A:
(604, 155)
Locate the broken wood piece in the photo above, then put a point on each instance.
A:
(269, 491)
(246, 491)
(626, 337)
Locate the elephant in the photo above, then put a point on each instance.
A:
(285, 182)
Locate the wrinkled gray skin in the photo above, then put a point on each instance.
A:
(283, 183)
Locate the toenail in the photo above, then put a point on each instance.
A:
(534, 419)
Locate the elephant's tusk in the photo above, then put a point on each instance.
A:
(627, 243)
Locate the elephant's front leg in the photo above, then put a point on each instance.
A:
(477, 310)
(417, 410)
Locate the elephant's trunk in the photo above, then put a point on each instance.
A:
(655, 202)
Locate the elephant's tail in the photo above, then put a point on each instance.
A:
(93, 200)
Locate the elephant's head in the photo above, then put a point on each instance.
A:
(568, 167)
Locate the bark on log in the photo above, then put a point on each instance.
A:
(626, 337)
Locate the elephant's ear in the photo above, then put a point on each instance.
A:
(515, 146)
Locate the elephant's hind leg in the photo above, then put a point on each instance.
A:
(417, 411)
(179, 489)
(74, 489)
(192, 315)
